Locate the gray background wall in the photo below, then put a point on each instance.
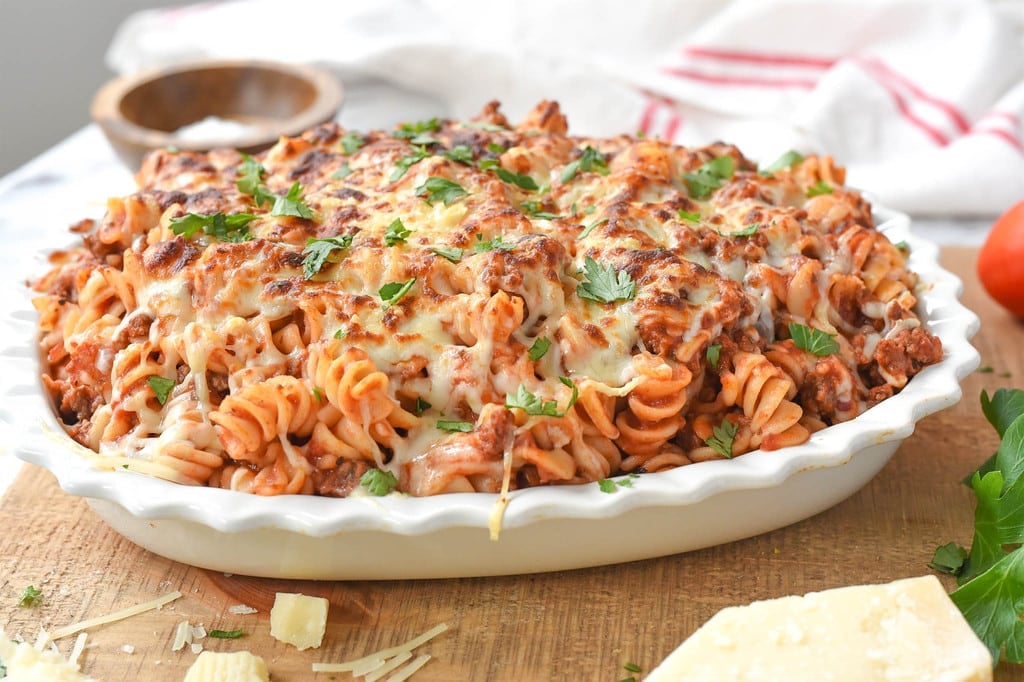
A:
(51, 63)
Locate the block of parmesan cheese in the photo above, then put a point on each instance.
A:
(904, 631)
(235, 666)
(298, 620)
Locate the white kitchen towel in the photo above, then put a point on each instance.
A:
(922, 100)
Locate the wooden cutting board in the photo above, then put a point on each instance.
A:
(573, 625)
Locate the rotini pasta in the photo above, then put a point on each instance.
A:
(471, 306)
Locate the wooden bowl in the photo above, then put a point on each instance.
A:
(246, 105)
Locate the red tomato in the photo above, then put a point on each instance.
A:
(1001, 260)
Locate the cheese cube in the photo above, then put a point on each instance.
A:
(236, 666)
(908, 630)
(299, 620)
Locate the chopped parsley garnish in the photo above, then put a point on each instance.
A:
(533, 209)
(227, 228)
(343, 172)
(517, 179)
(31, 597)
(632, 667)
(604, 285)
(819, 188)
(436, 188)
(226, 634)
(251, 174)
(396, 233)
(482, 245)
(813, 341)
(341, 333)
(590, 160)
(453, 254)
(985, 369)
(378, 482)
(495, 148)
(404, 163)
(709, 177)
(484, 125)
(539, 348)
(787, 160)
(585, 232)
(460, 154)
(693, 217)
(538, 407)
(318, 252)
(318, 394)
(744, 232)
(291, 204)
(162, 387)
(948, 559)
(421, 406)
(352, 142)
(392, 292)
(609, 485)
(410, 131)
(455, 426)
(712, 354)
(902, 246)
(722, 437)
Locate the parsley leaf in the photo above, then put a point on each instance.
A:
(585, 232)
(460, 154)
(343, 172)
(722, 437)
(421, 406)
(712, 353)
(453, 254)
(787, 160)
(709, 177)
(609, 485)
(251, 174)
(533, 209)
(693, 217)
(404, 163)
(229, 228)
(455, 426)
(226, 634)
(604, 285)
(410, 131)
(948, 559)
(819, 188)
(437, 188)
(31, 597)
(517, 179)
(292, 204)
(606, 485)
(590, 160)
(351, 142)
(392, 293)
(161, 387)
(396, 233)
(495, 148)
(813, 341)
(538, 407)
(318, 252)
(482, 245)
(539, 348)
(378, 482)
(742, 232)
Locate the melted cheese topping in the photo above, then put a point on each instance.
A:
(189, 350)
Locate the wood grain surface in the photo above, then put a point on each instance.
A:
(573, 625)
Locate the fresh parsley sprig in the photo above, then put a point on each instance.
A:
(162, 387)
(590, 161)
(539, 348)
(604, 285)
(291, 204)
(455, 426)
(30, 597)
(787, 160)
(536, 406)
(406, 162)
(396, 233)
(706, 179)
(226, 228)
(411, 131)
(812, 340)
(319, 251)
(819, 188)
(991, 575)
(533, 210)
(436, 188)
(378, 482)
(351, 142)
(722, 438)
(392, 292)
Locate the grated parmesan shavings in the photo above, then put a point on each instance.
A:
(75, 628)
(383, 654)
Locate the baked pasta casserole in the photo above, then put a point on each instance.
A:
(456, 306)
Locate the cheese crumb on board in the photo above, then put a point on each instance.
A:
(235, 666)
(26, 663)
(299, 620)
(904, 631)
(241, 609)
